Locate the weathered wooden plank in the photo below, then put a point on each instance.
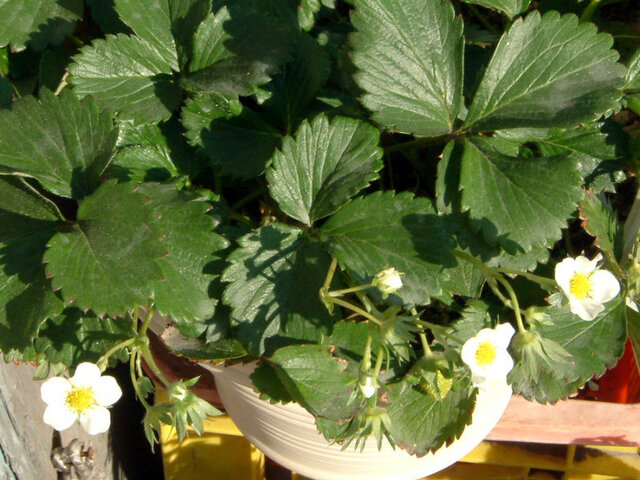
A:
(26, 441)
(581, 422)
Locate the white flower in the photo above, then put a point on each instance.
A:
(387, 281)
(487, 357)
(587, 287)
(83, 397)
(368, 387)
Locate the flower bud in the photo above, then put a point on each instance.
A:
(387, 281)
(368, 386)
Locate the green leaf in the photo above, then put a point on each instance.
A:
(420, 423)
(324, 166)
(65, 143)
(448, 197)
(633, 328)
(6, 93)
(127, 75)
(198, 349)
(296, 86)
(202, 110)
(316, 380)
(107, 261)
(103, 13)
(474, 318)
(151, 23)
(595, 346)
(26, 297)
(234, 138)
(188, 237)
(510, 8)
(601, 150)
(308, 10)
(516, 202)
(385, 230)
(265, 381)
(37, 22)
(74, 337)
(251, 48)
(464, 279)
(23, 211)
(600, 221)
(409, 55)
(154, 153)
(547, 72)
(632, 78)
(274, 279)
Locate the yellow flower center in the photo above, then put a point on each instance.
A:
(80, 399)
(580, 286)
(485, 354)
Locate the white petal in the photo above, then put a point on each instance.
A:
(468, 352)
(478, 379)
(492, 383)
(584, 265)
(605, 286)
(502, 365)
(564, 273)
(106, 390)
(85, 375)
(59, 417)
(586, 310)
(54, 390)
(504, 332)
(96, 420)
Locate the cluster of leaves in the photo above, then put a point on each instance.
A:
(209, 158)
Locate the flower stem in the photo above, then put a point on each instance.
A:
(344, 291)
(590, 10)
(515, 306)
(147, 320)
(379, 358)
(145, 351)
(134, 380)
(439, 328)
(365, 365)
(104, 359)
(330, 273)
(425, 344)
(358, 310)
(542, 281)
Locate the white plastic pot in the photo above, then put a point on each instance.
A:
(288, 435)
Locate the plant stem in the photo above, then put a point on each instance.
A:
(590, 10)
(489, 275)
(485, 23)
(344, 291)
(425, 344)
(247, 198)
(134, 380)
(358, 310)
(104, 359)
(515, 306)
(543, 281)
(439, 328)
(146, 354)
(63, 83)
(379, 358)
(330, 273)
(365, 365)
(147, 320)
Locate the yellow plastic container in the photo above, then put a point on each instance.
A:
(222, 453)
